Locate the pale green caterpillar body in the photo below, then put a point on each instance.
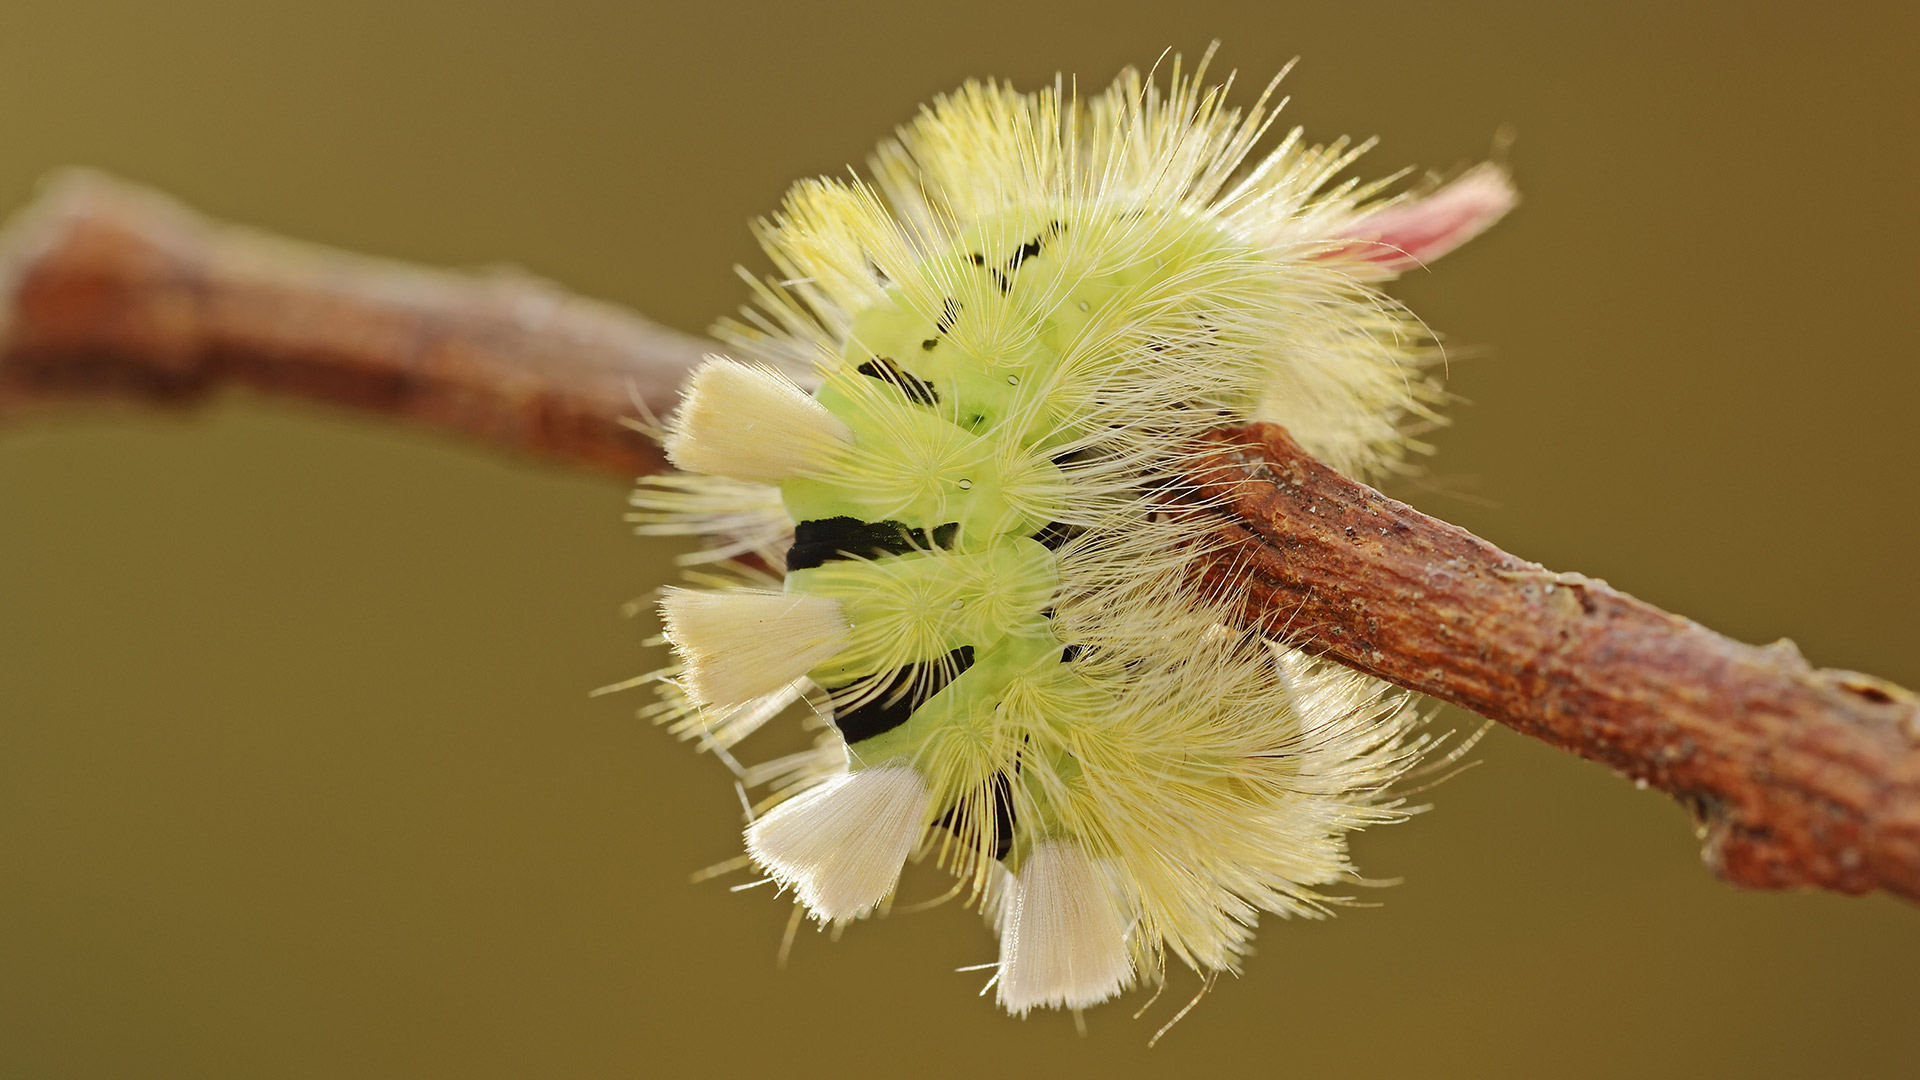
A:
(1013, 338)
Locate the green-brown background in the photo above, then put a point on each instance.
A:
(297, 772)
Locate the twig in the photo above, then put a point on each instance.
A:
(107, 290)
(1799, 777)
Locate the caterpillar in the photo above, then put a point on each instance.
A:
(943, 501)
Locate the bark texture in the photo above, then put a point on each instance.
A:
(1797, 776)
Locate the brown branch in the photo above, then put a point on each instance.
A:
(111, 291)
(1799, 777)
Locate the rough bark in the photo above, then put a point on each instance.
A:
(1799, 777)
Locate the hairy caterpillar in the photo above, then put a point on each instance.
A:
(940, 507)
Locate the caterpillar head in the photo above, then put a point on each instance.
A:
(984, 371)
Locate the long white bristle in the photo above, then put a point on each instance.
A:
(840, 845)
(741, 644)
(751, 423)
(1062, 940)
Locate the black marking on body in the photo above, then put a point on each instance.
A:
(1027, 251)
(1003, 279)
(1002, 813)
(949, 311)
(999, 278)
(816, 543)
(900, 693)
(1000, 788)
(1056, 533)
(1032, 247)
(915, 387)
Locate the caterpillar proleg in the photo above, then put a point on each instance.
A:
(941, 513)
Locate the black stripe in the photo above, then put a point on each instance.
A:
(1055, 533)
(1027, 251)
(949, 311)
(1001, 788)
(816, 543)
(999, 278)
(1002, 814)
(915, 387)
(904, 691)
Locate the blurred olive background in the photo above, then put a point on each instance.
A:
(298, 771)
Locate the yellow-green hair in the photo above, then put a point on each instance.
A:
(954, 484)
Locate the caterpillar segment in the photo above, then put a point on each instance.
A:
(980, 377)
